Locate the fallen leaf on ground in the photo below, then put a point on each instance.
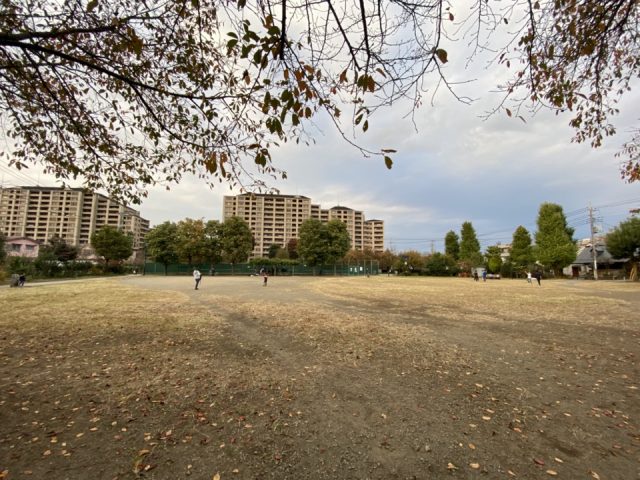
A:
(594, 475)
(474, 465)
(553, 473)
(451, 466)
(538, 461)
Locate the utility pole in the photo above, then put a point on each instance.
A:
(594, 253)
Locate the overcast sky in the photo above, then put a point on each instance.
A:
(451, 166)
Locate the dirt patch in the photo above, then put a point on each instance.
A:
(350, 378)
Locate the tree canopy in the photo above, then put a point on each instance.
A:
(161, 244)
(59, 249)
(191, 240)
(555, 247)
(237, 240)
(452, 245)
(469, 255)
(624, 242)
(320, 244)
(521, 255)
(128, 93)
(111, 244)
(493, 257)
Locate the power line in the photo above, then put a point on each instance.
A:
(20, 176)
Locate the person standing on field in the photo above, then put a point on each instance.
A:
(538, 276)
(197, 276)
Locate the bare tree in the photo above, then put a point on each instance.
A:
(128, 93)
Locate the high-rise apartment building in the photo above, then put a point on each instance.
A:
(73, 214)
(276, 219)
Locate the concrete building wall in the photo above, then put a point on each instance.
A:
(73, 214)
(276, 219)
(373, 236)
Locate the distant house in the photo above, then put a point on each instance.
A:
(22, 247)
(608, 267)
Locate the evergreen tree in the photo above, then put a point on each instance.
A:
(452, 245)
(555, 247)
(521, 256)
(470, 255)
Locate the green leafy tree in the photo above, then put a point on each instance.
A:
(18, 265)
(312, 243)
(493, 257)
(213, 241)
(555, 247)
(60, 249)
(441, 265)
(521, 255)
(624, 242)
(452, 245)
(209, 87)
(320, 244)
(111, 244)
(273, 250)
(338, 240)
(507, 269)
(470, 255)
(161, 244)
(47, 264)
(237, 240)
(191, 238)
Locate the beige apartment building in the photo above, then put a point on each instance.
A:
(73, 214)
(276, 219)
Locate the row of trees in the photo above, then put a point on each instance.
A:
(196, 241)
(554, 247)
(58, 258)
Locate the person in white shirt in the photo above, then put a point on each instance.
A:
(197, 276)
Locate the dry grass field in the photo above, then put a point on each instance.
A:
(320, 378)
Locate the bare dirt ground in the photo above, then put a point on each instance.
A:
(320, 378)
